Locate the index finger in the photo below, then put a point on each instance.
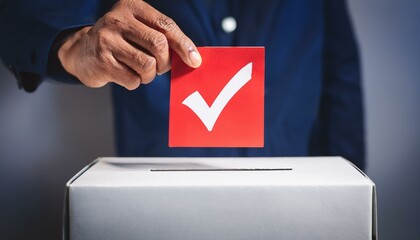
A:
(177, 40)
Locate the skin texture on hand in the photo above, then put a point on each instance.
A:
(129, 45)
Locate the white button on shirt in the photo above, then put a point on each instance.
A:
(228, 24)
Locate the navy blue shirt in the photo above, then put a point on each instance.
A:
(313, 98)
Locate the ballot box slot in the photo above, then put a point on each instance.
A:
(220, 169)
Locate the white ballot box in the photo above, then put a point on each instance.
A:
(220, 199)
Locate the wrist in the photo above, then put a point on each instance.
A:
(69, 52)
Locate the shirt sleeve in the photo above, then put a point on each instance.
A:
(29, 30)
(339, 129)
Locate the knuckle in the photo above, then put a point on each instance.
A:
(111, 20)
(166, 23)
(95, 81)
(137, 56)
(97, 84)
(149, 64)
(132, 84)
(103, 40)
(159, 43)
(146, 63)
(148, 79)
(149, 70)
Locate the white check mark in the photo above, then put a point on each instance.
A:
(209, 115)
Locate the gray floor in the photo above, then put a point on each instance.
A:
(47, 136)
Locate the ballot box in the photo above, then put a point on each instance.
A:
(220, 198)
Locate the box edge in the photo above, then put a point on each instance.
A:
(65, 219)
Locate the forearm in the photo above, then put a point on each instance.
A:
(29, 30)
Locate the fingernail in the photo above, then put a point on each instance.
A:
(195, 58)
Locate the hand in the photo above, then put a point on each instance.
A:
(129, 45)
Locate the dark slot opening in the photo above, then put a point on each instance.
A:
(220, 169)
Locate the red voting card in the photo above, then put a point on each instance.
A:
(221, 103)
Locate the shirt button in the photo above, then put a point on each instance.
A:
(229, 24)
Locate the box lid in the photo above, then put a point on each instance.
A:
(197, 172)
(221, 171)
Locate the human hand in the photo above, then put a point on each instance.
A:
(129, 45)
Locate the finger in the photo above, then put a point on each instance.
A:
(122, 75)
(140, 62)
(177, 40)
(151, 41)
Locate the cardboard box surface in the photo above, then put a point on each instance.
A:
(220, 198)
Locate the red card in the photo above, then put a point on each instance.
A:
(221, 103)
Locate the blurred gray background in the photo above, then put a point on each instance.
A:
(47, 136)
